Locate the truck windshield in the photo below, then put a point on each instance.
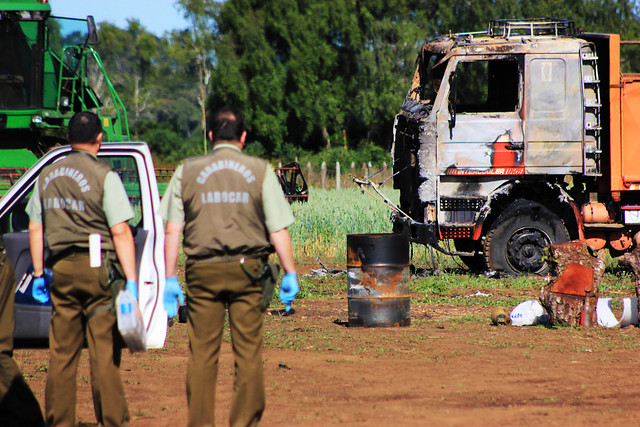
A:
(66, 32)
(17, 41)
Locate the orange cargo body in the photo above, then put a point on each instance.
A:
(624, 144)
(631, 131)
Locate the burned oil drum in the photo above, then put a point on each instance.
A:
(378, 280)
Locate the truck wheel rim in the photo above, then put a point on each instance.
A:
(525, 250)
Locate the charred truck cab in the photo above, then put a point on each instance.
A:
(519, 137)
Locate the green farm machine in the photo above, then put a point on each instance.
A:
(48, 71)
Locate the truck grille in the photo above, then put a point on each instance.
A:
(456, 204)
(460, 211)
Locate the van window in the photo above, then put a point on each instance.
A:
(125, 166)
(127, 170)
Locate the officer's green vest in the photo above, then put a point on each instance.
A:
(224, 216)
(71, 193)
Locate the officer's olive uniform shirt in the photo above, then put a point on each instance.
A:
(276, 210)
(115, 202)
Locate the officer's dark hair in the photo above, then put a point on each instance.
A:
(227, 124)
(84, 127)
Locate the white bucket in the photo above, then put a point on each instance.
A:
(608, 319)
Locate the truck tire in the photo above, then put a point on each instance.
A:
(515, 242)
(475, 263)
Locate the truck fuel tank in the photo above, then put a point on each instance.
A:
(595, 212)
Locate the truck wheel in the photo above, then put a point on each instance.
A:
(476, 263)
(515, 241)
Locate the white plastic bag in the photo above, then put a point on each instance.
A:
(529, 313)
(130, 323)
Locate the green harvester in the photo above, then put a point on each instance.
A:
(49, 70)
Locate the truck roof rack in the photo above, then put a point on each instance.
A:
(531, 28)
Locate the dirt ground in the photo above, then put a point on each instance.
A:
(450, 367)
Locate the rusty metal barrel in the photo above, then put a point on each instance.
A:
(378, 276)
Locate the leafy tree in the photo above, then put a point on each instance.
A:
(155, 77)
(200, 43)
(305, 71)
(129, 57)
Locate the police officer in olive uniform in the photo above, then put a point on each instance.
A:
(234, 215)
(18, 406)
(73, 199)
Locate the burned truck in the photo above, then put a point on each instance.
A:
(518, 137)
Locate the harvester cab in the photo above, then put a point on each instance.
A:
(49, 70)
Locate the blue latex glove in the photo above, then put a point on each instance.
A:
(172, 294)
(132, 286)
(289, 289)
(40, 290)
(48, 276)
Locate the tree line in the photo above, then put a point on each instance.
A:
(310, 75)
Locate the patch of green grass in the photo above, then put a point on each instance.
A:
(441, 283)
(322, 287)
(490, 301)
(468, 318)
(500, 344)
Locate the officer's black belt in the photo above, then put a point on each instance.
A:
(227, 258)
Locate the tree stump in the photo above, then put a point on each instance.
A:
(576, 273)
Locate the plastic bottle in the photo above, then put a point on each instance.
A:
(130, 323)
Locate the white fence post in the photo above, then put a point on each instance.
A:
(353, 173)
(324, 175)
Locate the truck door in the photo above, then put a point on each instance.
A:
(133, 163)
(479, 124)
(554, 114)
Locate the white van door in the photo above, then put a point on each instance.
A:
(133, 163)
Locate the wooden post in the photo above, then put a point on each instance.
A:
(309, 173)
(279, 164)
(323, 175)
(365, 172)
(338, 176)
(384, 173)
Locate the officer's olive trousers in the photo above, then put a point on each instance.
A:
(212, 288)
(18, 406)
(76, 294)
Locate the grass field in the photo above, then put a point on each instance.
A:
(323, 223)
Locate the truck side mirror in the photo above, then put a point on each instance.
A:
(92, 33)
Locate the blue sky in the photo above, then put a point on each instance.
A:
(157, 16)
